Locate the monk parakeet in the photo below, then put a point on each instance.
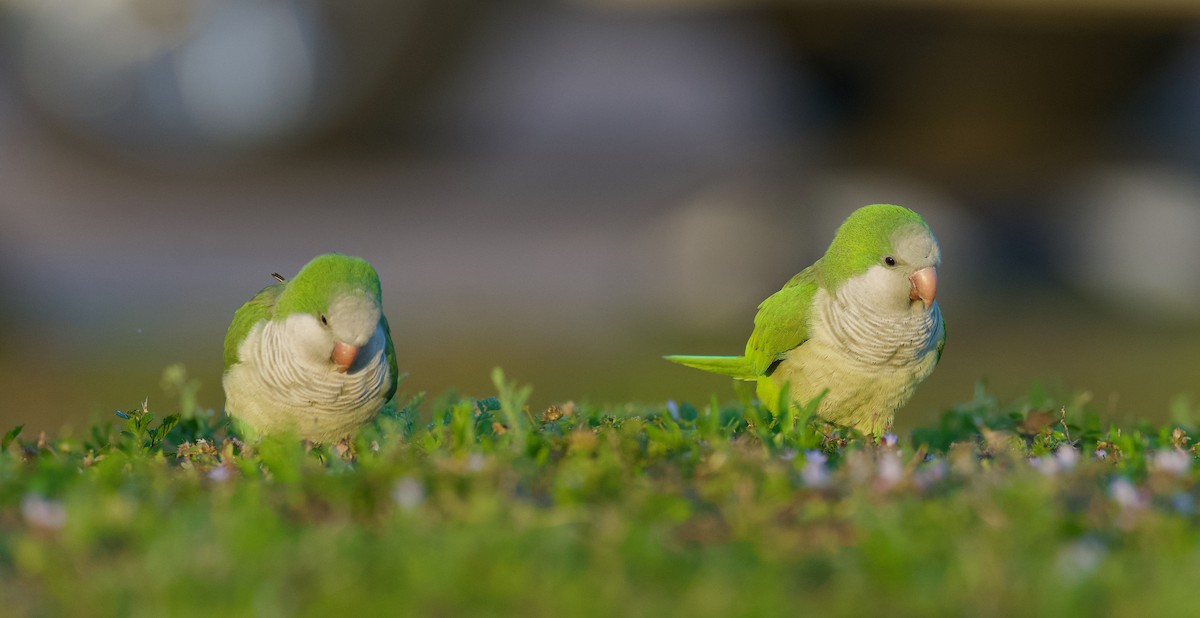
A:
(312, 355)
(860, 325)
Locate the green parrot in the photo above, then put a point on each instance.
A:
(312, 355)
(859, 328)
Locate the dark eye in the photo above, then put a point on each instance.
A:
(889, 260)
(325, 320)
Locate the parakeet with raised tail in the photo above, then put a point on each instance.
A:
(312, 355)
(860, 327)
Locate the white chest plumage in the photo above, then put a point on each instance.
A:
(284, 381)
(869, 354)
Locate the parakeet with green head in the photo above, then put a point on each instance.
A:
(311, 355)
(860, 326)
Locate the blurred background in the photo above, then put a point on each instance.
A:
(571, 189)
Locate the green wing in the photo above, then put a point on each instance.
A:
(782, 321)
(390, 350)
(257, 309)
(941, 344)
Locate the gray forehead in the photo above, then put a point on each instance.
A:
(916, 242)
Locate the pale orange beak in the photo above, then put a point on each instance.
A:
(924, 285)
(343, 355)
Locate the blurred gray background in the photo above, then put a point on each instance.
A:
(569, 190)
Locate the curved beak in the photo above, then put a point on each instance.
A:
(924, 285)
(343, 355)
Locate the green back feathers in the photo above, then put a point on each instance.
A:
(866, 235)
(782, 321)
(322, 279)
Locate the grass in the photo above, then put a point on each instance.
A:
(483, 507)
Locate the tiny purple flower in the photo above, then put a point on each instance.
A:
(1183, 503)
(931, 473)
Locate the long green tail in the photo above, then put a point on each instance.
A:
(737, 367)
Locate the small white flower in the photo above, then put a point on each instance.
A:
(475, 462)
(219, 474)
(889, 439)
(1172, 461)
(1045, 464)
(814, 473)
(673, 409)
(1100, 454)
(1080, 558)
(889, 468)
(42, 513)
(408, 493)
(1125, 493)
(1064, 459)
(1066, 456)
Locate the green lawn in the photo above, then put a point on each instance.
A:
(1030, 507)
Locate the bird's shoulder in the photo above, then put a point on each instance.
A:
(782, 321)
(255, 310)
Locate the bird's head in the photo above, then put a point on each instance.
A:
(894, 248)
(340, 300)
